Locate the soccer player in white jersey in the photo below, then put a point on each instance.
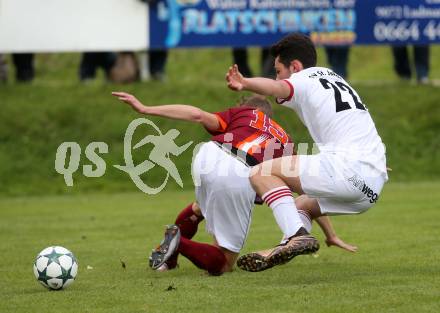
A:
(348, 173)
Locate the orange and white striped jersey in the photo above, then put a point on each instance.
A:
(253, 132)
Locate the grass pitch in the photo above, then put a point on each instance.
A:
(395, 270)
(55, 108)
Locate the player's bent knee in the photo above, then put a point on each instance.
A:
(196, 209)
(231, 258)
(309, 205)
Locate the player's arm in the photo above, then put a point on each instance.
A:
(173, 111)
(260, 85)
(331, 238)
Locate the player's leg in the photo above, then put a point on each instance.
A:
(321, 176)
(226, 202)
(274, 180)
(167, 247)
(230, 256)
(306, 206)
(340, 185)
(309, 210)
(208, 257)
(205, 256)
(188, 221)
(269, 180)
(215, 259)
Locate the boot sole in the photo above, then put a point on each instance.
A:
(166, 249)
(254, 262)
(287, 255)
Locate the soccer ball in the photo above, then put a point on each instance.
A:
(55, 267)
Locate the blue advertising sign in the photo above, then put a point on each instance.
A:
(398, 22)
(241, 23)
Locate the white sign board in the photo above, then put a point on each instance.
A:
(73, 25)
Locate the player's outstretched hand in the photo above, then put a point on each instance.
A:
(338, 242)
(130, 99)
(234, 78)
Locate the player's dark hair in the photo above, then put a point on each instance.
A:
(295, 47)
(258, 102)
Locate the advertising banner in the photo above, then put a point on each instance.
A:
(241, 23)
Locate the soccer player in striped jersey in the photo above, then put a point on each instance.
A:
(242, 137)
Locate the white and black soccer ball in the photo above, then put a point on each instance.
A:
(55, 267)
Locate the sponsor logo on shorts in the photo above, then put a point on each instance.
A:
(360, 184)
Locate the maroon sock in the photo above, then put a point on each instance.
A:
(203, 255)
(188, 223)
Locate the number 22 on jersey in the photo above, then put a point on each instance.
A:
(339, 87)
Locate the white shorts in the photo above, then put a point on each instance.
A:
(225, 195)
(340, 185)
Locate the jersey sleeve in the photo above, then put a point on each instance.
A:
(282, 100)
(224, 118)
(300, 87)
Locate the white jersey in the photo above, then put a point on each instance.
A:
(335, 116)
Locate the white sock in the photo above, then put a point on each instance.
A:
(280, 200)
(305, 218)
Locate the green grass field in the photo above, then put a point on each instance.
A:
(395, 270)
(106, 220)
(55, 108)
